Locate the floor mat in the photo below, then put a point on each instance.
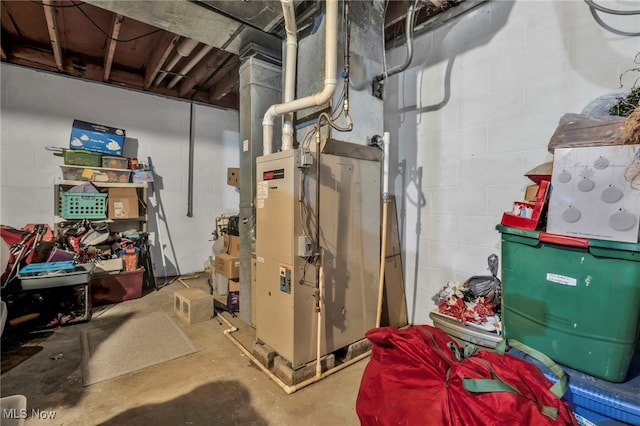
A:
(136, 344)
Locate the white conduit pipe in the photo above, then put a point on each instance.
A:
(319, 98)
(184, 49)
(288, 389)
(385, 208)
(192, 63)
(291, 29)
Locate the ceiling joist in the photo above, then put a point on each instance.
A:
(203, 70)
(73, 42)
(228, 82)
(50, 15)
(159, 56)
(111, 45)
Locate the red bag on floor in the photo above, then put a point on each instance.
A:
(417, 376)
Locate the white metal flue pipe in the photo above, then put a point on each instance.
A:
(184, 49)
(291, 58)
(192, 63)
(319, 98)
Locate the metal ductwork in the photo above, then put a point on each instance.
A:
(213, 26)
(264, 15)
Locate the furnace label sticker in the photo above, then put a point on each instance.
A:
(260, 204)
(273, 174)
(245, 145)
(263, 190)
(561, 279)
(285, 279)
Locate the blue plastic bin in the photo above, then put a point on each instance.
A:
(599, 402)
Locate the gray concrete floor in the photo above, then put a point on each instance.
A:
(218, 385)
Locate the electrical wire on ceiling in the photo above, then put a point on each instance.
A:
(595, 8)
(77, 5)
(53, 5)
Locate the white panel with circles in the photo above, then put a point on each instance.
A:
(596, 193)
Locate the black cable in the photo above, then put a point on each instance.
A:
(106, 34)
(52, 5)
(592, 4)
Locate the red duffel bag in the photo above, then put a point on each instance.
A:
(418, 376)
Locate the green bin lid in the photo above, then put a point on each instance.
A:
(593, 243)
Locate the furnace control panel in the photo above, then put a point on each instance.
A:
(285, 279)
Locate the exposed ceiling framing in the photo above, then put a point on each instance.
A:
(130, 43)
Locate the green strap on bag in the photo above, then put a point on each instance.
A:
(561, 386)
(487, 385)
(498, 385)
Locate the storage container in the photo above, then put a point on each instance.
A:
(118, 287)
(129, 258)
(465, 333)
(33, 268)
(40, 277)
(595, 401)
(115, 162)
(109, 265)
(60, 255)
(73, 157)
(83, 205)
(574, 299)
(227, 265)
(95, 174)
(141, 176)
(97, 138)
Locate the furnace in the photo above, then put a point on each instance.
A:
(349, 213)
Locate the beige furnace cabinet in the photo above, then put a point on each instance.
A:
(349, 234)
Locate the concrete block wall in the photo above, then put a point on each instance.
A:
(474, 112)
(38, 109)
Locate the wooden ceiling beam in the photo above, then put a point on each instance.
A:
(111, 46)
(33, 58)
(50, 15)
(232, 64)
(397, 12)
(44, 60)
(159, 56)
(204, 69)
(231, 101)
(229, 82)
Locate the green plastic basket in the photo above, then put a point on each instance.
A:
(83, 205)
